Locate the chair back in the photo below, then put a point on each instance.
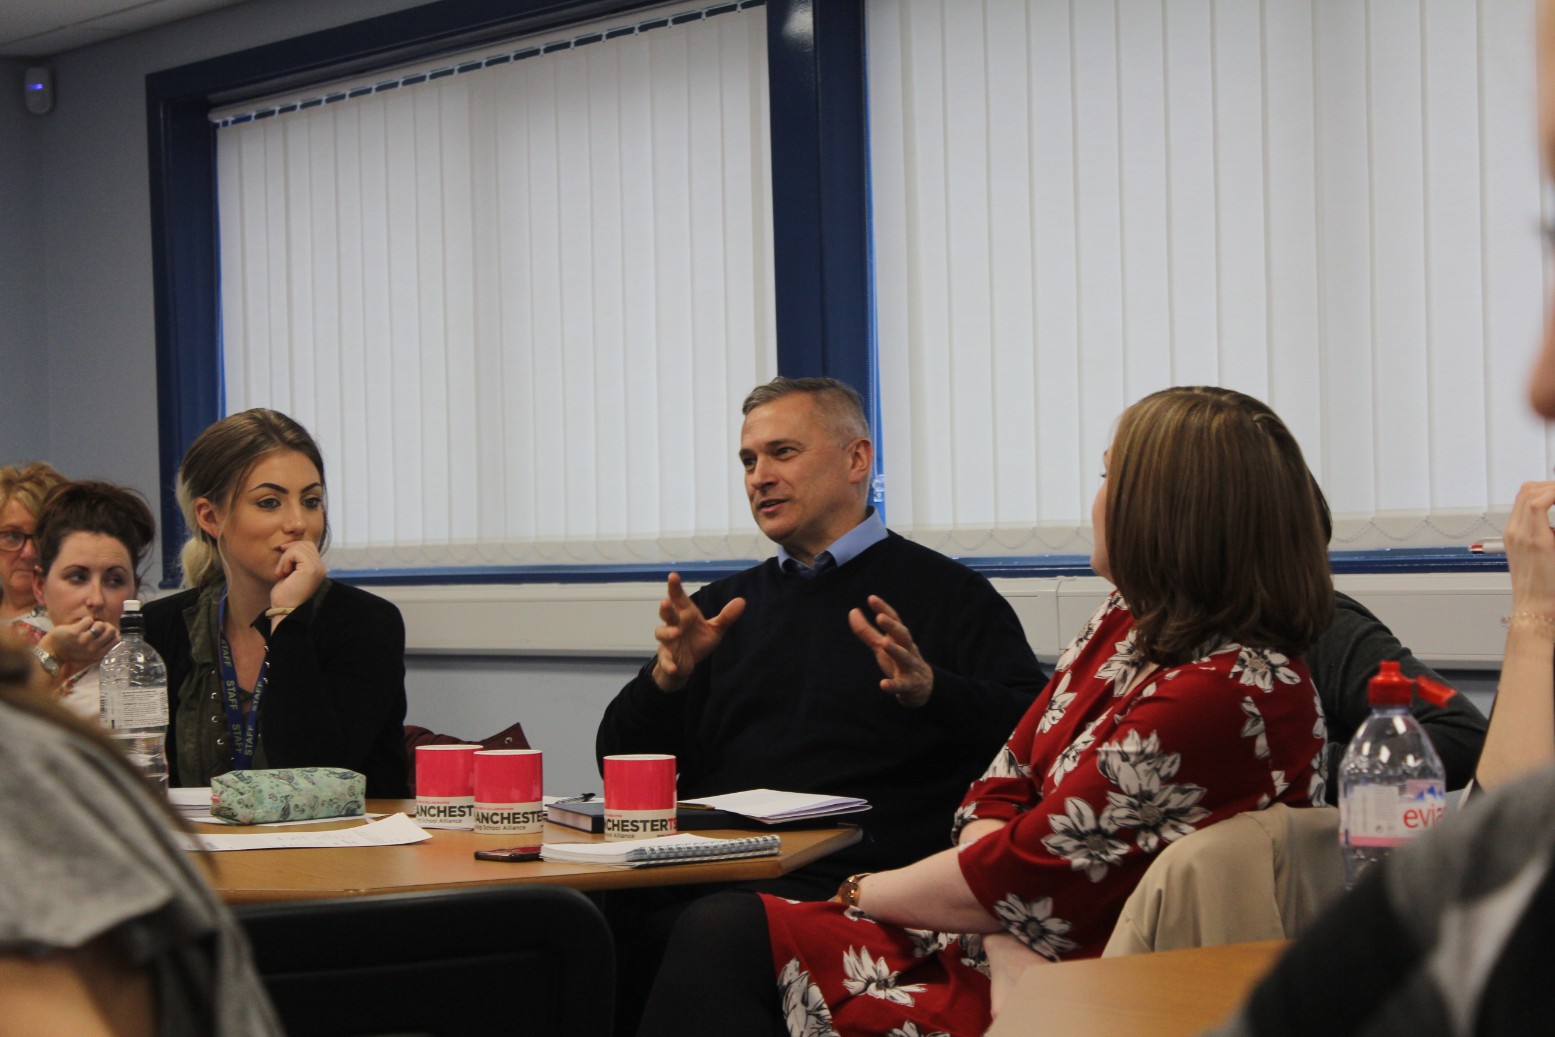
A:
(1260, 875)
(488, 960)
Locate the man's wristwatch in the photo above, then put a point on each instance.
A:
(848, 892)
(49, 663)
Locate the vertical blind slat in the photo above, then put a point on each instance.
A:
(1014, 388)
(1454, 232)
(1062, 465)
(1400, 390)
(1241, 245)
(1295, 385)
(1191, 219)
(1147, 355)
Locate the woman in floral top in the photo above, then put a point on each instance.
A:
(1182, 702)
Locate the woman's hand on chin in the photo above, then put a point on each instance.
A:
(82, 642)
(298, 574)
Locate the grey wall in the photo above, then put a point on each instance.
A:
(559, 702)
(23, 358)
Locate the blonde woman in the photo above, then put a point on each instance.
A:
(22, 489)
(271, 663)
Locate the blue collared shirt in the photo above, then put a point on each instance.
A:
(842, 550)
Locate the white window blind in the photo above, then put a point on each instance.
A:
(1329, 204)
(517, 296)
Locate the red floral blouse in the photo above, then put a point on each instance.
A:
(1095, 780)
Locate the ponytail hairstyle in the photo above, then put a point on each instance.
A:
(215, 467)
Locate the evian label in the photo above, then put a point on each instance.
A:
(638, 824)
(510, 818)
(1382, 815)
(445, 811)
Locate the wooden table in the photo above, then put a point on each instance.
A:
(1167, 994)
(447, 860)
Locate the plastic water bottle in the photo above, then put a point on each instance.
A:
(1392, 785)
(134, 697)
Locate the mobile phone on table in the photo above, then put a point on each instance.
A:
(511, 854)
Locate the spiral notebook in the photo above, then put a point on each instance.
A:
(670, 849)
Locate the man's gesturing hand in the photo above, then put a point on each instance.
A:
(907, 675)
(687, 637)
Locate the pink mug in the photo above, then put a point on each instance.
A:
(639, 796)
(445, 786)
(507, 792)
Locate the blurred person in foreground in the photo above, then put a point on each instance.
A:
(1453, 934)
(1522, 729)
(107, 928)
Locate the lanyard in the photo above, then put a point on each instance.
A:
(243, 731)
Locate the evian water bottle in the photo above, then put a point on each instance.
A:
(1391, 783)
(134, 697)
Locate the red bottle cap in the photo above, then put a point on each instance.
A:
(1390, 688)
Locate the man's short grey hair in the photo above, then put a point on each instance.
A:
(842, 404)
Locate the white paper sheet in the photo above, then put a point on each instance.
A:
(394, 830)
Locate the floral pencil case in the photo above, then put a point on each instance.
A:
(287, 794)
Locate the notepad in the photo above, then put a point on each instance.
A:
(757, 808)
(669, 849)
(774, 807)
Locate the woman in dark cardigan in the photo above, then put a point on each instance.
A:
(270, 663)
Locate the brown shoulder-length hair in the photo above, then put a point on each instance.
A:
(215, 467)
(1215, 526)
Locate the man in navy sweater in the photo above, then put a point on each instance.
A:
(854, 663)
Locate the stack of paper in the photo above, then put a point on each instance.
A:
(394, 830)
(193, 802)
(668, 849)
(772, 807)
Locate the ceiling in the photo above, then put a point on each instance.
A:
(42, 28)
